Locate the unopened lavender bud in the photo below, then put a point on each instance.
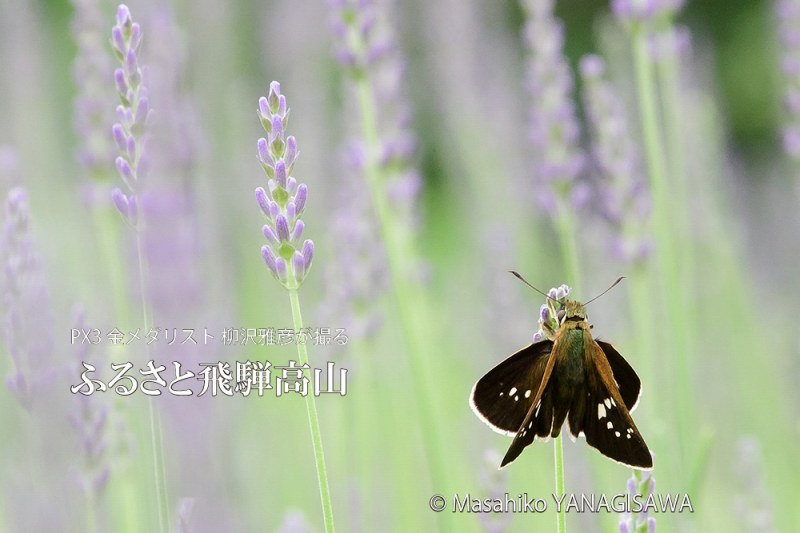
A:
(282, 227)
(118, 43)
(119, 137)
(130, 148)
(308, 253)
(537, 336)
(262, 200)
(269, 258)
(274, 210)
(273, 97)
(544, 313)
(125, 171)
(291, 152)
(119, 80)
(270, 234)
(120, 201)
(300, 199)
(124, 17)
(298, 267)
(136, 37)
(142, 110)
(291, 186)
(552, 294)
(291, 214)
(297, 232)
(281, 270)
(132, 68)
(280, 173)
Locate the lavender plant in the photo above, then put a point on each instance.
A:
(640, 483)
(554, 136)
(554, 129)
(129, 133)
(643, 20)
(27, 321)
(788, 19)
(287, 256)
(133, 112)
(89, 420)
(370, 55)
(622, 191)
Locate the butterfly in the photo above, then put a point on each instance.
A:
(569, 377)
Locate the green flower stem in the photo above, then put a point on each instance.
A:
(412, 305)
(561, 519)
(666, 254)
(565, 225)
(154, 415)
(313, 420)
(106, 222)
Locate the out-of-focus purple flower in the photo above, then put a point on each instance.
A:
(368, 50)
(88, 418)
(95, 97)
(788, 21)
(641, 483)
(645, 11)
(622, 189)
(286, 254)
(294, 521)
(554, 127)
(133, 111)
(27, 322)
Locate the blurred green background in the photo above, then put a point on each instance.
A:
(723, 426)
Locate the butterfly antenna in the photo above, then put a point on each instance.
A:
(605, 291)
(523, 280)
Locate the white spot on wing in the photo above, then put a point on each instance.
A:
(512, 391)
(610, 425)
(607, 401)
(516, 398)
(601, 411)
(616, 433)
(527, 394)
(628, 435)
(613, 402)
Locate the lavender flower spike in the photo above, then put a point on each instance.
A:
(286, 255)
(622, 188)
(27, 322)
(643, 484)
(788, 18)
(554, 127)
(132, 112)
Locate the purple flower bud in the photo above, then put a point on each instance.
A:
(537, 336)
(263, 152)
(262, 200)
(269, 233)
(277, 132)
(623, 527)
(281, 271)
(308, 253)
(544, 314)
(282, 227)
(274, 210)
(132, 67)
(136, 37)
(120, 202)
(124, 169)
(123, 16)
(298, 267)
(291, 186)
(552, 294)
(119, 80)
(280, 173)
(272, 97)
(142, 110)
(118, 42)
(263, 109)
(291, 214)
(297, 232)
(300, 199)
(291, 152)
(120, 137)
(269, 258)
(130, 148)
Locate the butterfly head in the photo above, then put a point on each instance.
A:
(573, 311)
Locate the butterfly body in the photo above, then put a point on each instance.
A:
(572, 378)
